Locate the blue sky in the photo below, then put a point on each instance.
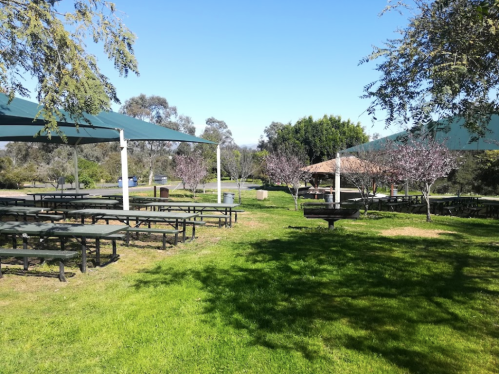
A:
(253, 62)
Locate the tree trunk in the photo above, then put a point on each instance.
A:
(426, 195)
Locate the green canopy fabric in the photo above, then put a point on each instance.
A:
(457, 138)
(16, 124)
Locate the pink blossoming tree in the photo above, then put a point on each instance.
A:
(286, 168)
(421, 161)
(191, 169)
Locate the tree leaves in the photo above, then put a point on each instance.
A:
(444, 65)
(37, 40)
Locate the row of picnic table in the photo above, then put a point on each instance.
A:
(158, 211)
(453, 205)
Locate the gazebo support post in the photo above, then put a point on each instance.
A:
(219, 176)
(124, 170)
(75, 158)
(337, 186)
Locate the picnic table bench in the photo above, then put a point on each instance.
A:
(61, 230)
(26, 253)
(331, 215)
(224, 209)
(20, 211)
(177, 220)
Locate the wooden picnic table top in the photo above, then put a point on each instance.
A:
(135, 213)
(60, 229)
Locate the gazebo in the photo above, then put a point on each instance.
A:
(17, 124)
(332, 167)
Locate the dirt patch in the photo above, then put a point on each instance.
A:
(413, 231)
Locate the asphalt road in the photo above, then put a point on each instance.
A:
(112, 188)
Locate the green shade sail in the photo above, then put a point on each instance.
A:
(16, 124)
(457, 138)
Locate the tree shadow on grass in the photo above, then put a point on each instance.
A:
(389, 297)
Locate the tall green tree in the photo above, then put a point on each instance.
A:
(39, 39)
(217, 131)
(317, 140)
(154, 109)
(444, 64)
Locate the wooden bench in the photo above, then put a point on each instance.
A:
(154, 231)
(112, 237)
(46, 217)
(150, 221)
(473, 211)
(393, 206)
(26, 253)
(449, 209)
(235, 211)
(416, 208)
(331, 215)
(220, 217)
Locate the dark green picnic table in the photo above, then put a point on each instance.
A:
(58, 194)
(79, 203)
(224, 208)
(140, 217)
(12, 201)
(61, 230)
(20, 211)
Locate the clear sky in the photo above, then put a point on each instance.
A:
(251, 62)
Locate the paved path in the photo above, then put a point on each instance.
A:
(108, 189)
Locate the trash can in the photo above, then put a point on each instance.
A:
(164, 192)
(395, 192)
(329, 198)
(228, 198)
(132, 182)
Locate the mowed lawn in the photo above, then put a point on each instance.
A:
(277, 293)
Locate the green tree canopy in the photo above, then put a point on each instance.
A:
(444, 64)
(318, 140)
(38, 39)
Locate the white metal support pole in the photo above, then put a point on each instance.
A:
(219, 175)
(406, 188)
(124, 170)
(337, 186)
(77, 180)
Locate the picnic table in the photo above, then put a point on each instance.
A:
(222, 208)
(78, 203)
(173, 219)
(58, 194)
(12, 201)
(398, 202)
(331, 215)
(61, 230)
(20, 211)
(491, 208)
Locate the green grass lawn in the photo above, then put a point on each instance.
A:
(277, 293)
